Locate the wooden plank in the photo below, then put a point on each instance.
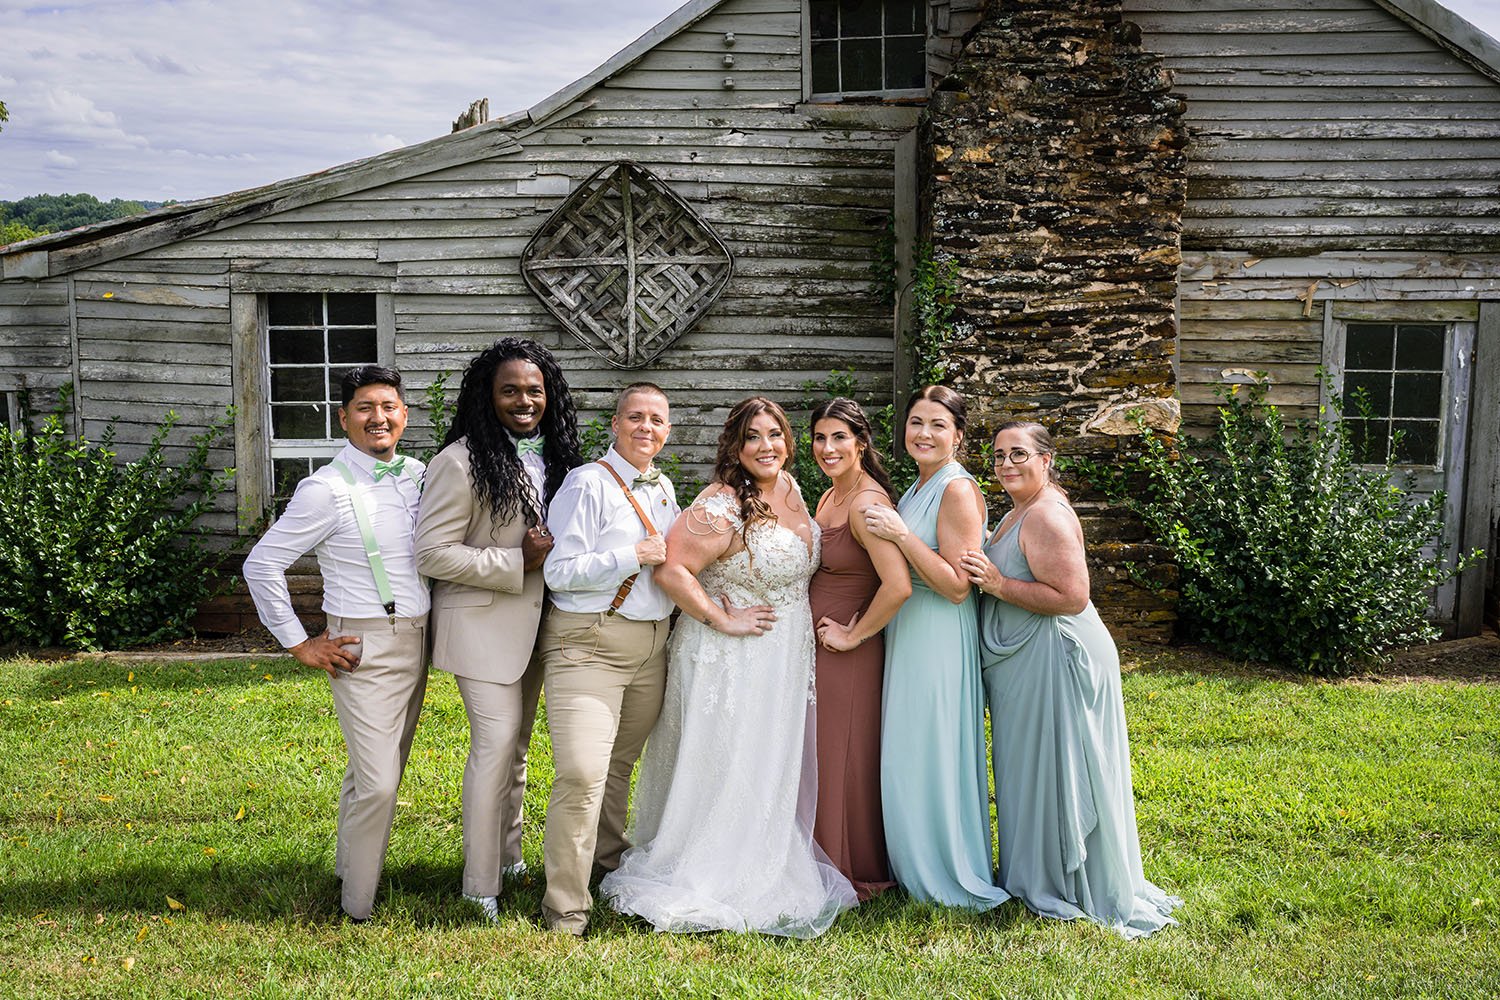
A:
(104, 350)
(1283, 373)
(1333, 289)
(55, 337)
(271, 281)
(135, 371)
(34, 293)
(403, 212)
(195, 416)
(298, 249)
(1280, 393)
(1321, 168)
(248, 385)
(152, 267)
(1395, 266)
(1190, 309)
(146, 293)
(115, 310)
(41, 315)
(164, 332)
(1296, 205)
(1377, 107)
(1414, 312)
(163, 393)
(1221, 190)
(1240, 354)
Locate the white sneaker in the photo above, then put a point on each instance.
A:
(488, 905)
(514, 871)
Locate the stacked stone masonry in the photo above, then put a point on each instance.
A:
(1056, 178)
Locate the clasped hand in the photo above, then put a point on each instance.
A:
(982, 573)
(835, 635)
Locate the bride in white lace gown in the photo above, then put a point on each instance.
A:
(725, 802)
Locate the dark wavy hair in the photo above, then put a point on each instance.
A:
(945, 397)
(853, 416)
(727, 467)
(500, 481)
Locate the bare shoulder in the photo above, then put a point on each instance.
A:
(1052, 518)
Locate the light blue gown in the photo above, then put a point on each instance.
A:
(933, 781)
(1068, 844)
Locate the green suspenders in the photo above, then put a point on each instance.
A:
(367, 532)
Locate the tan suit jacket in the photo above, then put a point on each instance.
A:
(485, 608)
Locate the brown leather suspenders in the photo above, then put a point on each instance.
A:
(625, 587)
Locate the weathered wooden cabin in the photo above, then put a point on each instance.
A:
(1148, 200)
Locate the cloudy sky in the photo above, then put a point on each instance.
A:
(158, 99)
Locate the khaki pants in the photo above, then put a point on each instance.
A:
(500, 720)
(604, 677)
(377, 706)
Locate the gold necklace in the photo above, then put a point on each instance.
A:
(839, 501)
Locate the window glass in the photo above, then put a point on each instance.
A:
(1393, 391)
(868, 46)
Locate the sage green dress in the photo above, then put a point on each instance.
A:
(933, 782)
(1068, 844)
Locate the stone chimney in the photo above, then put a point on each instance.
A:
(1056, 179)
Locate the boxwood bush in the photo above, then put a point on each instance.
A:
(1292, 548)
(97, 553)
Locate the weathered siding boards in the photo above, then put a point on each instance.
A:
(35, 339)
(1311, 123)
(169, 332)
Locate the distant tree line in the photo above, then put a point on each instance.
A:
(53, 213)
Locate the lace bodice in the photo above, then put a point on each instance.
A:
(774, 566)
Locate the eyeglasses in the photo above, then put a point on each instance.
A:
(1017, 456)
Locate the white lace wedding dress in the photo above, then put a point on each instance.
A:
(725, 802)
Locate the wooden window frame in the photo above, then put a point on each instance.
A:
(12, 388)
(249, 320)
(809, 95)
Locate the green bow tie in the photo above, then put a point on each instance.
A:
(648, 478)
(391, 468)
(530, 446)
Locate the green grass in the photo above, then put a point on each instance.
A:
(1332, 840)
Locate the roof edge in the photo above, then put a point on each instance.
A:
(679, 20)
(251, 203)
(1450, 28)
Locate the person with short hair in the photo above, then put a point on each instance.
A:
(603, 646)
(374, 648)
(482, 537)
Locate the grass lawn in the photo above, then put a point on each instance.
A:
(166, 829)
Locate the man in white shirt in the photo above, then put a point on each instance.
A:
(374, 649)
(603, 646)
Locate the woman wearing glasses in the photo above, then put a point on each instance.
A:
(1068, 845)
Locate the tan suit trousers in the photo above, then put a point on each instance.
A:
(500, 720)
(604, 681)
(377, 706)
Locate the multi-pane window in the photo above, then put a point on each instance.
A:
(868, 46)
(312, 339)
(1393, 390)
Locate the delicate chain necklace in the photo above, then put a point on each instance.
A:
(838, 501)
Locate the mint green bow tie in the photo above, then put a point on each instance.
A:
(648, 478)
(530, 446)
(391, 468)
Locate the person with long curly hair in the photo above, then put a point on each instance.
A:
(728, 788)
(482, 536)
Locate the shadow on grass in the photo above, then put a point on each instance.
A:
(303, 892)
(422, 894)
(49, 680)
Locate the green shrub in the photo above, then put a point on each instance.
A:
(1290, 550)
(99, 554)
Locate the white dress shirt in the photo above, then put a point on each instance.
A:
(320, 517)
(595, 530)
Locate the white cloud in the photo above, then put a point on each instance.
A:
(381, 143)
(63, 160)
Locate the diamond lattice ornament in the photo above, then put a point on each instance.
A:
(626, 265)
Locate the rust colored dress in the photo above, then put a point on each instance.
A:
(849, 827)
